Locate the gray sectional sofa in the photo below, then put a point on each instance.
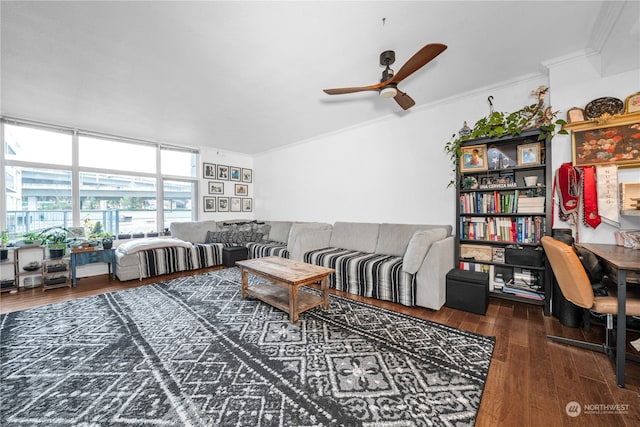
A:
(403, 263)
(190, 246)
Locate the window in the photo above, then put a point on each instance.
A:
(35, 145)
(177, 162)
(37, 178)
(118, 181)
(41, 199)
(116, 155)
(120, 203)
(178, 201)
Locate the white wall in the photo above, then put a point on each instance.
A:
(228, 158)
(390, 170)
(575, 82)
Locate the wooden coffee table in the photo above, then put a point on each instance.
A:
(286, 277)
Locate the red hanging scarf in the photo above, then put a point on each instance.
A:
(569, 183)
(590, 196)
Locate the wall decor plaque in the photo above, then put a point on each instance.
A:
(599, 106)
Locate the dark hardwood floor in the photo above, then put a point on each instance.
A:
(531, 380)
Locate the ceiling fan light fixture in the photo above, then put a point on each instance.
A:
(388, 92)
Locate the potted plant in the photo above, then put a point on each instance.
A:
(152, 233)
(31, 238)
(56, 240)
(4, 241)
(138, 234)
(105, 238)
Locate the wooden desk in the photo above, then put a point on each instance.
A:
(622, 260)
(89, 257)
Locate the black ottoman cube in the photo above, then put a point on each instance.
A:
(231, 254)
(468, 291)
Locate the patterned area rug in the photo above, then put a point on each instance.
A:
(192, 352)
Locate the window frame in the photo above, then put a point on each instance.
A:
(76, 169)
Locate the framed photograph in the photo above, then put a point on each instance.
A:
(473, 158)
(216, 187)
(632, 103)
(223, 204)
(234, 173)
(247, 204)
(222, 173)
(235, 204)
(242, 190)
(209, 204)
(575, 114)
(529, 154)
(76, 232)
(208, 171)
(614, 142)
(247, 175)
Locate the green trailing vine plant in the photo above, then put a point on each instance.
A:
(498, 124)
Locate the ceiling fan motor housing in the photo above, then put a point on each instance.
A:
(387, 58)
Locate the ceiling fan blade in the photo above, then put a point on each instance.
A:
(404, 100)
(417, 61)
(344, 90)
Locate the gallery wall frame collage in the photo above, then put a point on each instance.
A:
(238, 177)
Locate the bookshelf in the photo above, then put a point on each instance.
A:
(504, 195)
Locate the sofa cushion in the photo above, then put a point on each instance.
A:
(418, 247)
(394, 238)
(366, 274)
(262, 229)
(192, 231)
(357, 236)
(279, 231)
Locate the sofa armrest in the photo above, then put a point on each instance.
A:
(431, 287)
(308, 240)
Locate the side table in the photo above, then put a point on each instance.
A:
(90, 257)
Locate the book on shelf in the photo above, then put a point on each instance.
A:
(528, 229)
(511, 288)
(474, 266)
(530, 204)
(497, 255)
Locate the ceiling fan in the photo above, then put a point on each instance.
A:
(389, 82)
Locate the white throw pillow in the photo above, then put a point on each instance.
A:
(419, 246)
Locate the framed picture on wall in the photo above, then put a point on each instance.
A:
(235, 204)
(242, 190)
(632, 103)
(223, 204)
(247, 204)
(208, 171)
(234, 173)
(209, 204)
(473, 158)
(575, 115)
(247, 175)
(529, 154)
(216, 187)
(222, 172)
(614, 142)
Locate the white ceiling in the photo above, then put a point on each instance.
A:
(248, 76)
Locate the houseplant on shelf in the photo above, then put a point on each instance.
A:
(31, 238)
(498, 124)
(56, 240)
(4, 241)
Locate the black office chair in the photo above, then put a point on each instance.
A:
(576, 287)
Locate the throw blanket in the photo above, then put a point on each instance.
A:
(369, 275)
(264, 249)
(137, 245)
(159, 261)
